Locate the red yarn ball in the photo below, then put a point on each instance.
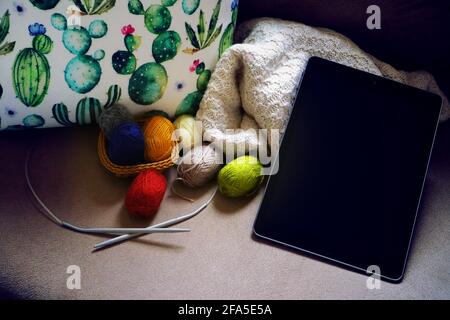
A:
(146, 193)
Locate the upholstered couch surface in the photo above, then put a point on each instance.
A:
(219, 258)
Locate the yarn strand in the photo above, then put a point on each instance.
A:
(178, 194)
(112, 231)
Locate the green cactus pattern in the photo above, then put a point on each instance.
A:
(88, 109)
(58, 21)
(77, 41)
(93, 7)
(132, 42)
(157, 19)
(148, 83)
(227, 37)
(136, 7)
(42, 44)
(33, 121)
(99, 55)
(168, 3)
(202, 39)
(44, 4)
(31, 71)
(191, 102)
(83, 72)
(114, 94)
(98, 29)
(125, 62)
(190, 6)
(165, 46)
(29, 122)
(6, 47)
(203, 79)
(61, 114)
(148, 80)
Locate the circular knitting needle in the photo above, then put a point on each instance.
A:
(164, 224)
(118, 231)
(113, 231)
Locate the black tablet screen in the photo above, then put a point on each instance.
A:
(351, 168)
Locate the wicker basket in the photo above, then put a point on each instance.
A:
(127, 171)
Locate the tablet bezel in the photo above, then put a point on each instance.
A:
(327, 258)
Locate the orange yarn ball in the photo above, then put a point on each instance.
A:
(158, 132)
(146, 193)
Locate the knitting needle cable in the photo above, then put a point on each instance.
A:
(164, 224)
(114, 231)
(119, 231)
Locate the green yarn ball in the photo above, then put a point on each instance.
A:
(241, 177)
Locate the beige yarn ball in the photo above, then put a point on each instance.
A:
(199, 166)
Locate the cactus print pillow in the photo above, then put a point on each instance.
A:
(62, 62)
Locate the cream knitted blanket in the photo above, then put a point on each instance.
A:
(254, 82)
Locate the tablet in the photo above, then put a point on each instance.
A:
(352, 166)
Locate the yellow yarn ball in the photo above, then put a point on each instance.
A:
(241, 177)
(188, 130)
(158, 132)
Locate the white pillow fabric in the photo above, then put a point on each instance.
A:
(64, 61)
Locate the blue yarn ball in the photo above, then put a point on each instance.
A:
(126, 146)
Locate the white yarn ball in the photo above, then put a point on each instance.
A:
(189, 131)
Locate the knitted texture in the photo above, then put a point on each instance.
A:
(254, 83)
(126, 146)
(158, 132)
(113, 117)
(146, 193)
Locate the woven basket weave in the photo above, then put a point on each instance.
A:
(127, 171)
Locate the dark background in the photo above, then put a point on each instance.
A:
(414, 35)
